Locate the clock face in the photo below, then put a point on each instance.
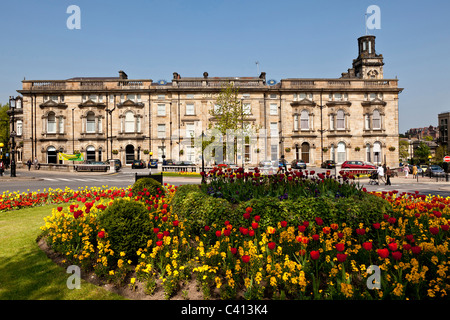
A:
(372, 73)
(271, 82)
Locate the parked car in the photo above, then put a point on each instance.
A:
(424, 167)
(184, 163)
(437, 171)
(169, 162)
(298, 164)
(153, 163)
(117, 163)
(329, 164)
(267, 163)
(357, 165)
(138, 164)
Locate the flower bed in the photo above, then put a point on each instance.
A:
(251, 256)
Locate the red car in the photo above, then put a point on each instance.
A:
(357, 165)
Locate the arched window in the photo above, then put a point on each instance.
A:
(376, 120)
(51, 155)
(90, 153)
(368, 154)
(51, 122)
(340, 120)
(129, 121)
(377, 152)
(129, 154)
(90, 122)
(304, 120)
(341, 152)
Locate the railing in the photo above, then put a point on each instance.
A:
(48, 85)
(179, 169)
(131, 84)
(91, 167)
(91, 85)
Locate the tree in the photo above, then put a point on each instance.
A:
(4, 126)
(422, 152)
(229, 113)
(403, 146)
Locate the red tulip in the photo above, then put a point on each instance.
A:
(218, 233)
(340, 235)
(101, 234)
(416, 249)
(367, 246)
(226, 232)
(246, 216)
(159, 243)
(326, 230)
(254, 225)
(249, 210)
(314, 254)
(271, 245)
(59, 209)
(155, 230)
(383, 253)
(175, 223)
(319, 221)
(445, 227)
(393, 246)
(301, 228)
(376, 226)
(207, 228)
(392, 220)
(341, 257)
(360, 232)
(257, 218)
(306, 224)
(233, 250)
(251, 233)
(340, 247)
(283, 223)
(315, 237)
(246, 258)
(397, 255)
(434, 230)
(160, 235)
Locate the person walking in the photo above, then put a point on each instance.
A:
(414, 171)
(29, 163)
(388, 176)
(2, 168)
(406, 170)
(36, 164)
(380, 172)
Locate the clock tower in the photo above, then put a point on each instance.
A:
(368, 64)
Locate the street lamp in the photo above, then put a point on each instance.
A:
(242, 132)
(12, 107)
(203, 160)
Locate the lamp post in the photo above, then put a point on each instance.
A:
(203, 160)
(12, 107)
(242, 132)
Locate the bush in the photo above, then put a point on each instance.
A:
(128, 226)
(147, 187)
(199, 209)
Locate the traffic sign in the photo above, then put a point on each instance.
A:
(447, 158)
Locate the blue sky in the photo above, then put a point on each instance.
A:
(290, 39)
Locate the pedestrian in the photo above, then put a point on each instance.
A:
(380, 172)
(406, 170)
(2, 168)
(388, 176)
(29, 163)
(414, 171)
(36, 164)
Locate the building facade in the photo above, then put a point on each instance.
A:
(353, 117)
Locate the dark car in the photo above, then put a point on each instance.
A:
(436, 171)
(138, 164)
(298, 164)
(153, 163)
(329, 164)
(357, 165)
(169, 162)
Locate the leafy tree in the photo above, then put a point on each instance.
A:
(422, 152)
(403, 146)
(4, 126)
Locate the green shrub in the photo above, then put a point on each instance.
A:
(128, 226)
(147, 187)
(199, 209)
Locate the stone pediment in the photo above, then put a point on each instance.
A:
(374, 102)
(303, 102)
(338, 103)
(90, 103)
(53, 104)
(130, 103)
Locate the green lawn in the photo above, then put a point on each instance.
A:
(25, 271)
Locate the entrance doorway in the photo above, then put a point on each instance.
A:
(305, 152)
(129, 154)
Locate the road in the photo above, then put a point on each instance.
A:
(40, 180)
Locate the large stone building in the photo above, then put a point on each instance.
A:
(353, 117)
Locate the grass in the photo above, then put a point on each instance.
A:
(26, 273)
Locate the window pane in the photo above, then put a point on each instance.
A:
(190, 109)
(304, 120)
(273, 109)
(51, 123)
(129, 122)
(161, 109)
